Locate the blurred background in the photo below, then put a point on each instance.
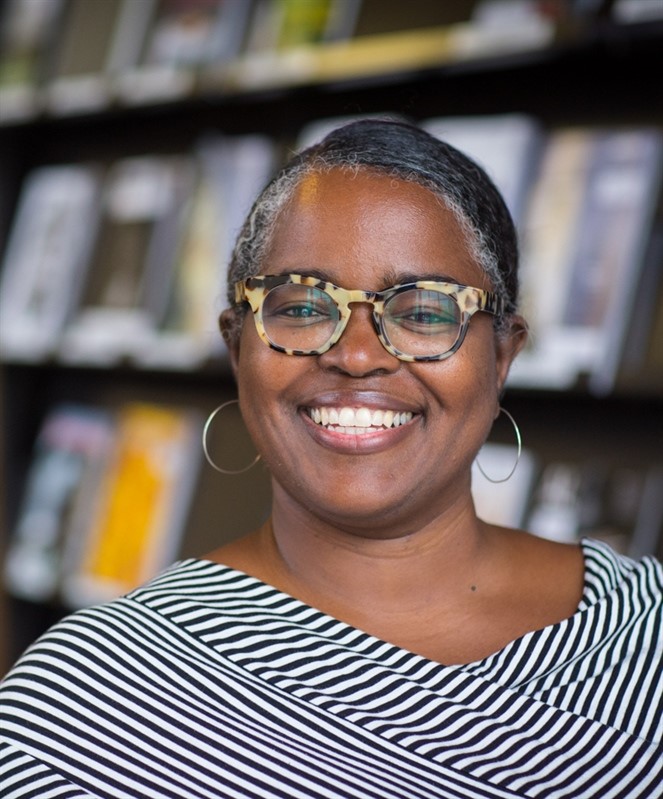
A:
(134, 135)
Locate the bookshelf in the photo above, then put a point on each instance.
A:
(589, 72)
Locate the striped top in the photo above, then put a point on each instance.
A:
(209, 683)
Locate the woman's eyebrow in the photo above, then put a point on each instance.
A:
(394, 278)
(304, 272)
(391, 277)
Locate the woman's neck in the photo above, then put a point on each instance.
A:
(395, 569)
(454, 590)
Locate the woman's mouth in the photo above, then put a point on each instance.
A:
(357, 421)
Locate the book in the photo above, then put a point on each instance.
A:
(240, 167)
(278, 25)
(507, 26)
(548, 234)
(98, 43)
(143, 212)
(556, 505)
(635, 369)
(296, 41)
(77, 80)
(363, 56)
(128, 41)
(26, 36)
(623, 193)
(623, 182)
(188, 331)
(231, 170)
(183, 38)
(583, 285)
(627, 12)
(47, 254)
(132, 527)
(70, 452)
(507, 146)
(376, 17)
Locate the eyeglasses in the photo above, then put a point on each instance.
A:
(422, 321)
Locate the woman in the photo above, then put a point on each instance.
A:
(374, 638)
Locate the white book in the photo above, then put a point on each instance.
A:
(556, 507)
(99, 42)
(636, 11)
(46, 258)
(619, 219)
(78, 81)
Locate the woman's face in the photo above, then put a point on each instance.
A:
(369, 231)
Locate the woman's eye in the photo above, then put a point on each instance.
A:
(427, 317)
(424, 317)
(302, 311)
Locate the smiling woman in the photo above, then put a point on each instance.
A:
(375, 638)
(391, 230)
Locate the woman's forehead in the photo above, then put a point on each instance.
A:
(360, 223)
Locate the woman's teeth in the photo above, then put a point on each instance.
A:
(357, 421)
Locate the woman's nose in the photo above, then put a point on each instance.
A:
(359, 351)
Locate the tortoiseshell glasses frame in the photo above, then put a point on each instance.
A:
(428, 319)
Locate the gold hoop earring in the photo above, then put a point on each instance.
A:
(209, 458)
(520, 449)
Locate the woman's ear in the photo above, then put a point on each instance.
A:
(509, 343)
(230, 324)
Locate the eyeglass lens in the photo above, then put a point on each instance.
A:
(417, 322)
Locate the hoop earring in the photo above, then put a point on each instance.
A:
(209, 458)
(520, 449)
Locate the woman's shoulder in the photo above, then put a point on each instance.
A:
(608, 572)
(555, 581)
(597, 570)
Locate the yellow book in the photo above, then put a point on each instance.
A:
(135, 522)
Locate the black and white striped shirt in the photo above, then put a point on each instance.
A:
(208, 683)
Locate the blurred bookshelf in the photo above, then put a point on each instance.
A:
(133, 136)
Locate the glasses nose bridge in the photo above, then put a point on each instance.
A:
(350, 297)
(345, 298)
